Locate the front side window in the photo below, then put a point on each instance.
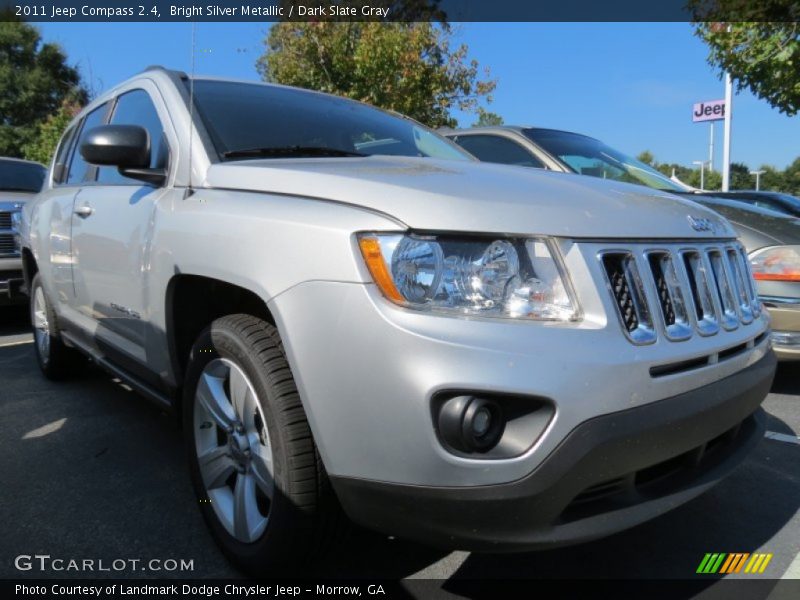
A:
(136, 108)
(18, 176)
(588, 156)
(79, 169)
(498, 149)
(247, 120)
(62, 156)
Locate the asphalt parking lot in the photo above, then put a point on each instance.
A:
(91, 470)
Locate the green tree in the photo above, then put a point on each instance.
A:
(758, 43)
(411, 68)
(487, 118)
(646, 157)
(48, 132)
(35, 80)
(791, 177)
(741, 178)
(772, 179)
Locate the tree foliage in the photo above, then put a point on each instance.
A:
(772, 179)
(487, 118)
(48, 132)
(35, 81)
(758, 43)
(646, 157)
(411, 68)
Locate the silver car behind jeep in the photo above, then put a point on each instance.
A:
(19, 181)
(348, 312)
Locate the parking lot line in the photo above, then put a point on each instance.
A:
(19, 343)
(782, 437)
(793, 572)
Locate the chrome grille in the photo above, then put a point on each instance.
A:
(7, 245)
(686, 290)
(5, 220)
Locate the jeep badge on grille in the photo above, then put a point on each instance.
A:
(702, 224)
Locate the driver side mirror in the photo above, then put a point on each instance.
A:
(126, 147)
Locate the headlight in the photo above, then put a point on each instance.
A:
(776, 263)
(505, 277)
(16, 220)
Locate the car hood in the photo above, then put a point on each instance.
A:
(429, 194)
(757, 227)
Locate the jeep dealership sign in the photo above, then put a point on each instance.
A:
(713, 110)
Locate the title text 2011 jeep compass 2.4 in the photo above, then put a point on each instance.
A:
(349, 311)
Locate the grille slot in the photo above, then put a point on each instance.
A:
(725, 294)
(622, 294)
(701, 293)
(7, 244)
(698, 290)
(731, 352)
(5, 220)
(678, 367)
(740, 287)
(670, 296)
(665, 300)
(627, 290)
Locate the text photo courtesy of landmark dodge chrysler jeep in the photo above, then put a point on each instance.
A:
(351, 315)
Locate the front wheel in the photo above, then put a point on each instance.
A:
(255, 468)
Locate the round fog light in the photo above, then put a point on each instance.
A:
(469, 424)
(481, 421)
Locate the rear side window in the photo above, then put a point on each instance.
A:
(497, 149)
(79, 169)
(137, 108)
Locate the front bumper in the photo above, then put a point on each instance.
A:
(785, 330)
(369, 372)
(610, 473)
(11, 282)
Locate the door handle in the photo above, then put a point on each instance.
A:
(84, 211)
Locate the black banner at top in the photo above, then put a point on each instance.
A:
(399, 10)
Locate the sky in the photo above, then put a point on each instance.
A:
(631, 85)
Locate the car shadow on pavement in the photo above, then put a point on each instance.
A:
(14, 320)
(787, 378)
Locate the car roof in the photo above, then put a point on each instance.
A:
(754, 194)
(514, 128)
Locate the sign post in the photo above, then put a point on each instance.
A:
(710, 110)
(726, 147)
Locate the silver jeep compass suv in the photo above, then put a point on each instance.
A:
(348, 311)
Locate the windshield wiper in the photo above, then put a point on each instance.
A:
(289, 151)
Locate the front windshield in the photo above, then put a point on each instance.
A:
(20, 176)
(246, 120)
(588, 156)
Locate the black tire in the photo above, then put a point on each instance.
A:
(303, 513)
(56, 360)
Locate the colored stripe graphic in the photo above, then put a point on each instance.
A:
(711, 562)
(703, 563)
(722, 563)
